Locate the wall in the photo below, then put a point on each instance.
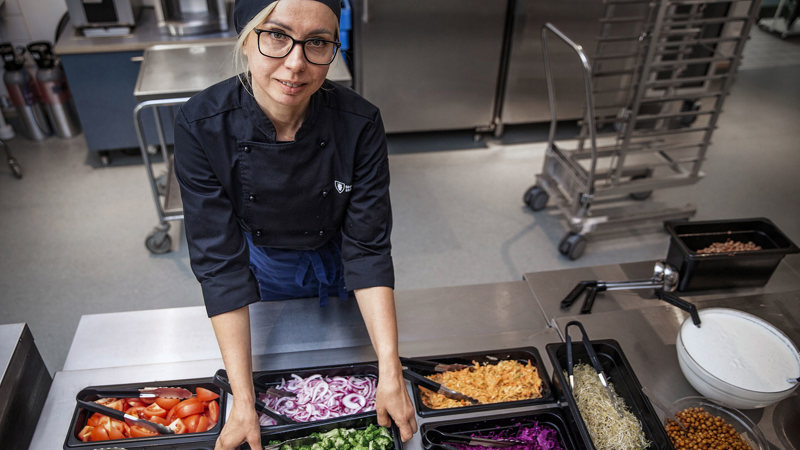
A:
(23, 21)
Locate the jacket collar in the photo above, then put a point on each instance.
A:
(265, 126)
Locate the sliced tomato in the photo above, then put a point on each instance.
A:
(178, 426)
(202, 424)
(117, 429)
(188, 407)
(137, 431)
(191, 422)
(135, 402)
(86, 433)
(94, 419)
(105, 400)
(99, 434)
(205, 395)
(213, 412)
(167, 403)
(137, 411)
(119, 405)
(160, 420)
(154, 409)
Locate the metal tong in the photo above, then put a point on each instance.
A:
(221, 380)
(147, 392)
(420, 380)
(127, 418)
(441, 438)
(595, 361)
(663, 281)
(432, 365)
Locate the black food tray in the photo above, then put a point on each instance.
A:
(520, 354)
(699, 271)
(273, 378)
(562, 419)
(359, 423)
(199, 441)
(620, 374)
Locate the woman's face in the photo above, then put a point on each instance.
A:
(290, 81)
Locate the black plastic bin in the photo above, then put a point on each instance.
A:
(274, 377)
(561, 419)
(621, 375)
(491, 357)
(360, 423)
(189, 441)
(699, 271)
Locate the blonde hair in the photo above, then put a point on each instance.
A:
(240, 62)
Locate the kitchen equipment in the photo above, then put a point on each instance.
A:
(221, 380)
(738, 359)
(626, 384)
(741, 423)
(127, 418)
(420, 380)
(654, 91)
(188, 17)
(147, 392)
(436, 366)
(100, 17)
(53, 90)
(436, 436)
(21, 86)
(492, 357)
(730, 269)
(301, 431)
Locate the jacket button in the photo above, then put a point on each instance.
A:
(246, 149)
(252, 197)
(258, 233)
(322, 232)
(324, 194)
(323, 143)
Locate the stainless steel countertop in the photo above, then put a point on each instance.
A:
(179, 70)
(143, 35)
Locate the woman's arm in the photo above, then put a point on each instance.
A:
(233, 336)
(377, 308)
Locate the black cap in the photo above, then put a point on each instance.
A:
(245, 10)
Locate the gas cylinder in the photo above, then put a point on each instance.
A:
(53, 90)
(24, 95)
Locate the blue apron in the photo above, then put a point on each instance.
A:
(290, 274)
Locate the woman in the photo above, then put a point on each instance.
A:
(284, 179)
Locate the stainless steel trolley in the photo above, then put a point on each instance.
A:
(654, 92)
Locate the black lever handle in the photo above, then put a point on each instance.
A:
(680, 303)
(576, 292)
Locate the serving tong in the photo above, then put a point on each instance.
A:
(595, 361)
(441, 438)
(423, 381)
(433, 365)
(147, 392)
(221, 380)
(664, 281)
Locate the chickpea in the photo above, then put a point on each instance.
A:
(730, 246)
(701, 430)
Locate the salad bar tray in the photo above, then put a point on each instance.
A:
(203, 401)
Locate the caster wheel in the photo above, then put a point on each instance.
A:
(536, 198)
(572, 246)
(644, 195)
(158, 242)
(15, 168)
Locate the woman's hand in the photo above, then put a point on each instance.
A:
(240, 427)
(392, 400)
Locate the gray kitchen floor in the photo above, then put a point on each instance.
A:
(72, 231)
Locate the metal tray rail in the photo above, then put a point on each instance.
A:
(654, 92)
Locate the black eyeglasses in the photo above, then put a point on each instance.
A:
(275, 44)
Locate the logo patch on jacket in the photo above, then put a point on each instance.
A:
(341, 187)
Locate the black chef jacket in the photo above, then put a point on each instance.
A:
(331, 182)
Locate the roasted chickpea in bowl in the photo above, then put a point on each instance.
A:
(697, 422)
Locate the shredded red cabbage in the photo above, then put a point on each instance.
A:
(321, 397)
(537, 437)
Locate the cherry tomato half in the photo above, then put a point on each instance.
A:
(154, 409)
(205, 395)
(187, 408)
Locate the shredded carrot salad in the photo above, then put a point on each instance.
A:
(505, 381)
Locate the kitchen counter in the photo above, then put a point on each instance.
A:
(298, 334)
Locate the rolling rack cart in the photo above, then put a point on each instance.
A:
(784, 23)
(654, 92)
